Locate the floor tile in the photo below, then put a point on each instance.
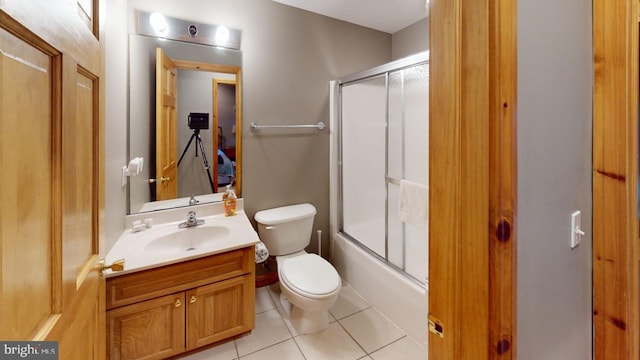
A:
(274, 292)
(359, 330)
(404, 348)
(287, 350)
(263, 300)
(292, 329)
(348, 303)
(371, 329)
(294, 332)
(270, 329)
(331, 344)
(225, 351)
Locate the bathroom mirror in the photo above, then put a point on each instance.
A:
(207, 116)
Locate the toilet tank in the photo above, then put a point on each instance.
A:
(287, 229)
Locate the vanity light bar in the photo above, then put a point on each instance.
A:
(158, 25)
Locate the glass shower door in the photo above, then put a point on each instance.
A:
(363, 162)
(408, 159)
(384, 141)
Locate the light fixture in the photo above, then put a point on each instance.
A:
(159, 23)
(166, 27)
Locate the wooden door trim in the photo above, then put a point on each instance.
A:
(615, 169)
(472, 177)
(503, 182)
(216, 121)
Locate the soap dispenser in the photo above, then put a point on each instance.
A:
(229, 199)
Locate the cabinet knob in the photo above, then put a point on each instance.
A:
(193, 299)
(178, 303)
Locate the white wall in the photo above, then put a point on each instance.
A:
(554, 178)
(115, 119)
(410, 40)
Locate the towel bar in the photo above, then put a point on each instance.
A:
(255, 127)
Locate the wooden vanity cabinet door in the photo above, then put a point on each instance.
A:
(152, 329)
(221, 310)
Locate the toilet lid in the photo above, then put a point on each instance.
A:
(310, 274)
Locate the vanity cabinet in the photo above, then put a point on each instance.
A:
(152, 329)
(162, 312)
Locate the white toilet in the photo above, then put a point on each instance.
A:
(309, 284)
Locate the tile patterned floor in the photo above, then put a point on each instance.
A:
(357, 331)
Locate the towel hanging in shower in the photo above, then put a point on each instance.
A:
(414, 204)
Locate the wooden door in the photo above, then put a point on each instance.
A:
(152, 329)
(166, 128)
(218, 311)
(52, 193)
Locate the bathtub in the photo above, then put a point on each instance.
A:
(401, 300)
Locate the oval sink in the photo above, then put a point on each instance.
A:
(188, 239)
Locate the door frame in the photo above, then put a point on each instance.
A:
(216, 120)
(472, 167)
(615, 162)
(615, 179)
(226, 69)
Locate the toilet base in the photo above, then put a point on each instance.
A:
(305, 322)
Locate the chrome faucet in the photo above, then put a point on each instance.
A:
(192, 220)
(193, 201)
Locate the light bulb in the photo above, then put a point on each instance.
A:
(222, 35)
(159, 23)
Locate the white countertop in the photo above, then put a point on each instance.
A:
(131, 246)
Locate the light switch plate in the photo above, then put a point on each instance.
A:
(576, 230)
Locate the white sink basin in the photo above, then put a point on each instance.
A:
(165, 243)
(199, 237)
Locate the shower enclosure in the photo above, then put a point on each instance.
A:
(380, 135)
(384, 131)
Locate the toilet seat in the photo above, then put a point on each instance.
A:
(310, 275)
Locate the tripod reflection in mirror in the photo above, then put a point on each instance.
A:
(197, 122)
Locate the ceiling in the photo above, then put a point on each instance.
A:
(388, 16)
